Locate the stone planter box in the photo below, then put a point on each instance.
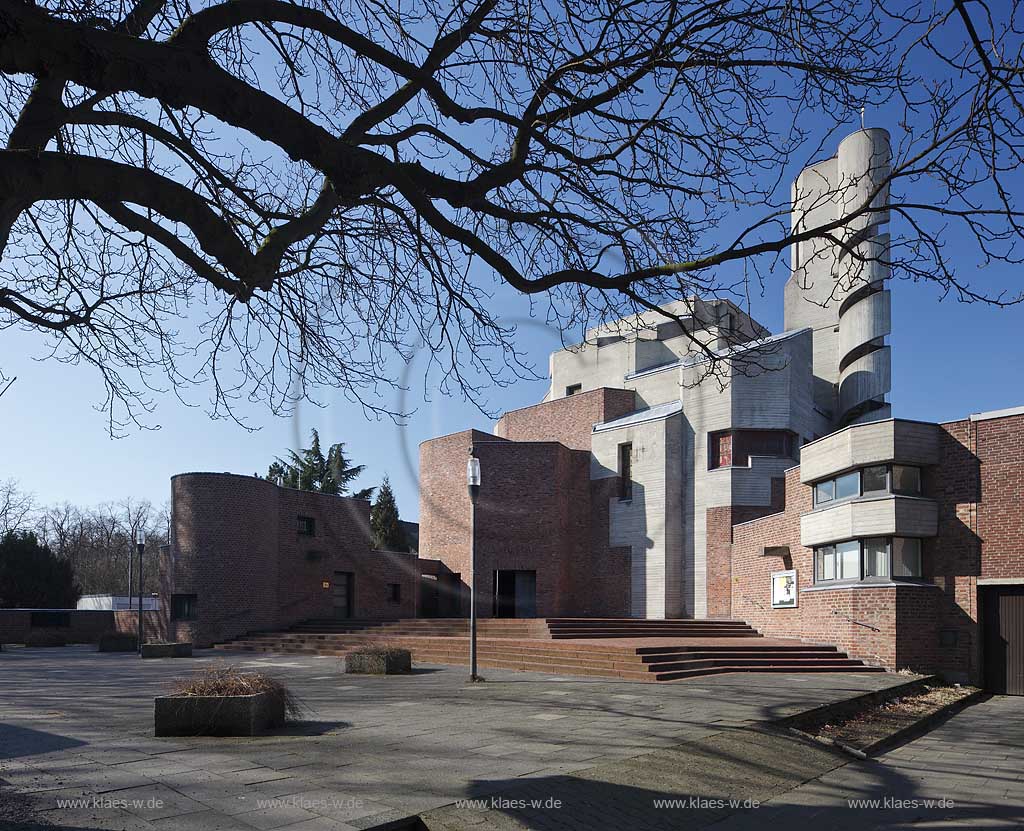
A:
(167, 650)
(229, 715)
(117, 642)
(390, 662)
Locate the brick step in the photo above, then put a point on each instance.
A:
(719, 670)
(660, 662)
(564, 636)
(535, 646)
(435, 651)
(681, 621)
(624, 658)
(560, 664)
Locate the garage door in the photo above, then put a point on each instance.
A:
(1003, 610)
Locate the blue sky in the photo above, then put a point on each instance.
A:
(949, 359)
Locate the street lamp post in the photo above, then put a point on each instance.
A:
(473, 483)
(140, 546)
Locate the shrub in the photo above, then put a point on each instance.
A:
(382, 659)
(380, 651)
(44, 637)
(217, 681)
(114, 641)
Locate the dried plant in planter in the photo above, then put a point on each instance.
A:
(230, 680)
(378, 659)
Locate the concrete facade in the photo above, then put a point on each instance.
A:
(681, 386)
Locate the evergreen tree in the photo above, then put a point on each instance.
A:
(388, 534)
(309, 470)
(32, 576)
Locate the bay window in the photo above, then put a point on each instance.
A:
(869, 558)
(904, 480)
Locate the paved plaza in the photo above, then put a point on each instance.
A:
(77, 725)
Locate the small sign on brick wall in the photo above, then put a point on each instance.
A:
(784, 589)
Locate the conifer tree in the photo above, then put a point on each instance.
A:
(309, 470)
(388, 534)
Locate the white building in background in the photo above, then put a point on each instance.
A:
(117, 602)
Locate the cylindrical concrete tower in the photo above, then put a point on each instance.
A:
(838, 288)
(865, 362)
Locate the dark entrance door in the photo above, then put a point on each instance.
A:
(342, 591)
(515, 593)
(1003, 616)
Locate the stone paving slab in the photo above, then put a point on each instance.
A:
(87, 732)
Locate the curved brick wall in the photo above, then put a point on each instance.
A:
(224, 550)
(237, 547)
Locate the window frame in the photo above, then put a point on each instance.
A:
(625, 465)
(823, 553)
(890, 489)
(191, 606)
(573, 389)
(743, 445)
(394, 593)
(305, 526)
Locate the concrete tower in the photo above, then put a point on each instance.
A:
(837, 286)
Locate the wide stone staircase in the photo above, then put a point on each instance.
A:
(638, 650)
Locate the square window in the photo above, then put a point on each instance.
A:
(394, 592)
(906, 557)
(906, 480)
(184, 607)
(876, 557)
(572, 389)
(307, 526)
(848, 485)
(824, 492)
(626, 471)
(848, 560)
(875, 479)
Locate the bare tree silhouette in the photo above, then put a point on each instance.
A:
(270, 196)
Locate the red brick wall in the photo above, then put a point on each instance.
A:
(859, 621)
(444, 500)
(979, 487)
(999, 446)
(236, 546)
(720, 522)
(86, 625)
(566, 420)
(224, 550)
(533, 514)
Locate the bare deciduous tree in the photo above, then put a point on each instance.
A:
(16, 507)
(295, 192)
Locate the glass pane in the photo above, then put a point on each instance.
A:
(875, 479)
(848, 560)
(906, 557)
(876, 557)
(826, 557)
(848, 485)
(906, 480)
(824, 492)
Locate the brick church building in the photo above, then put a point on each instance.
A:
(683, 464)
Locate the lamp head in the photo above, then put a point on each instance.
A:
(473, 478)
